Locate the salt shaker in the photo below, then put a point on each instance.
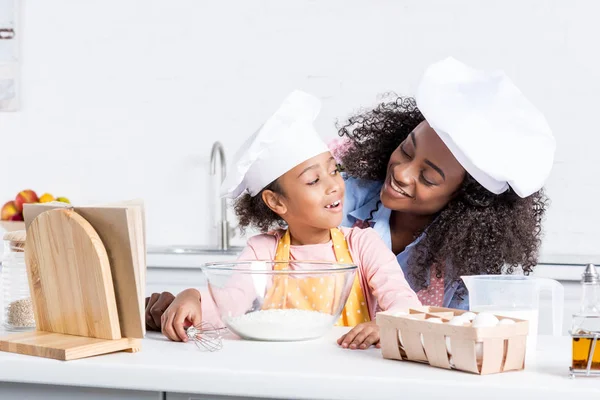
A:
(18, 308)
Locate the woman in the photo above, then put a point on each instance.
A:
(451, 180)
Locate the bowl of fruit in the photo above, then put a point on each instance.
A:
(11, 215)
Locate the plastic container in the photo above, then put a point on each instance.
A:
(16, 299)
(516, 296)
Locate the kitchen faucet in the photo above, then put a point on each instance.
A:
(217, 149)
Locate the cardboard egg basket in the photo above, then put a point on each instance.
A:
(482, 351)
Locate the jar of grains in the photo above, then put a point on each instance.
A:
(16, 298)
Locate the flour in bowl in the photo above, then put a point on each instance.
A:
(281, 325)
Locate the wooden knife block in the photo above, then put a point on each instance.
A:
(86, 270)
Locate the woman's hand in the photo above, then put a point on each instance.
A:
(156, 305)
(362, 336)
(185, 310)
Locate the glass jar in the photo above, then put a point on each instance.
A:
(16, 297)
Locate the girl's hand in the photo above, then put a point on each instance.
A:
(362, 336)
(184, 311)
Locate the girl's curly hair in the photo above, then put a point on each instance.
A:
(252, 211)
(478, 232)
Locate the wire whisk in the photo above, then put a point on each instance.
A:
(206, 336)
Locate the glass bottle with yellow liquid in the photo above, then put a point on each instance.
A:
(586, 326)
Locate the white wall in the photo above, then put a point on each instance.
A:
(123, 99)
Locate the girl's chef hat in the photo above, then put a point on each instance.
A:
(497, 135)
(286, 139)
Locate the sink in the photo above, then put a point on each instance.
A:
(194, 250)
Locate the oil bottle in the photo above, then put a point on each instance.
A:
(586, 326)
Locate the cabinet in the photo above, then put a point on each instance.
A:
(172, 279)
(186, 396)
(30, 391)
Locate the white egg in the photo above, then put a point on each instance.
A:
(507, 321)
(458, 321)
(470, 316)
(455, 321)
(485, 320)
(479, 352)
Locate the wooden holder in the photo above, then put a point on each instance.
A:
(412, 338)
(64, 347)
(86, 279)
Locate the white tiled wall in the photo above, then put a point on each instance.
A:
(123, 99)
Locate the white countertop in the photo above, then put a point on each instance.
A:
(302, 370)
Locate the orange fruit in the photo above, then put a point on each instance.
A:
(46, 198)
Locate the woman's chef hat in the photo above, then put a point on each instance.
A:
(285, 140)
(497, 135)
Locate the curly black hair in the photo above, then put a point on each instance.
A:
(252, 211)
(478, 232)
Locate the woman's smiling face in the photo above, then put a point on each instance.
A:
(422, 174)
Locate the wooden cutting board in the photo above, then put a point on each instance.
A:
(121, 237)
(121, 227)
(70, 277)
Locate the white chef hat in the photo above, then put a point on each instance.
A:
(285, 140)
(497, 135)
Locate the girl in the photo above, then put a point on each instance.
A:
(452, 181)
(285, 178)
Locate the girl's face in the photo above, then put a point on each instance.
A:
(422, 175)
(313, 194)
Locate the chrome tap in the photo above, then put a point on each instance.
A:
(217, 148)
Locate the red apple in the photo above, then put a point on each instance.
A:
(25, 196)
(8, 211)
(17, 217)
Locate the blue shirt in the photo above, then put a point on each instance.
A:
(360, 201)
